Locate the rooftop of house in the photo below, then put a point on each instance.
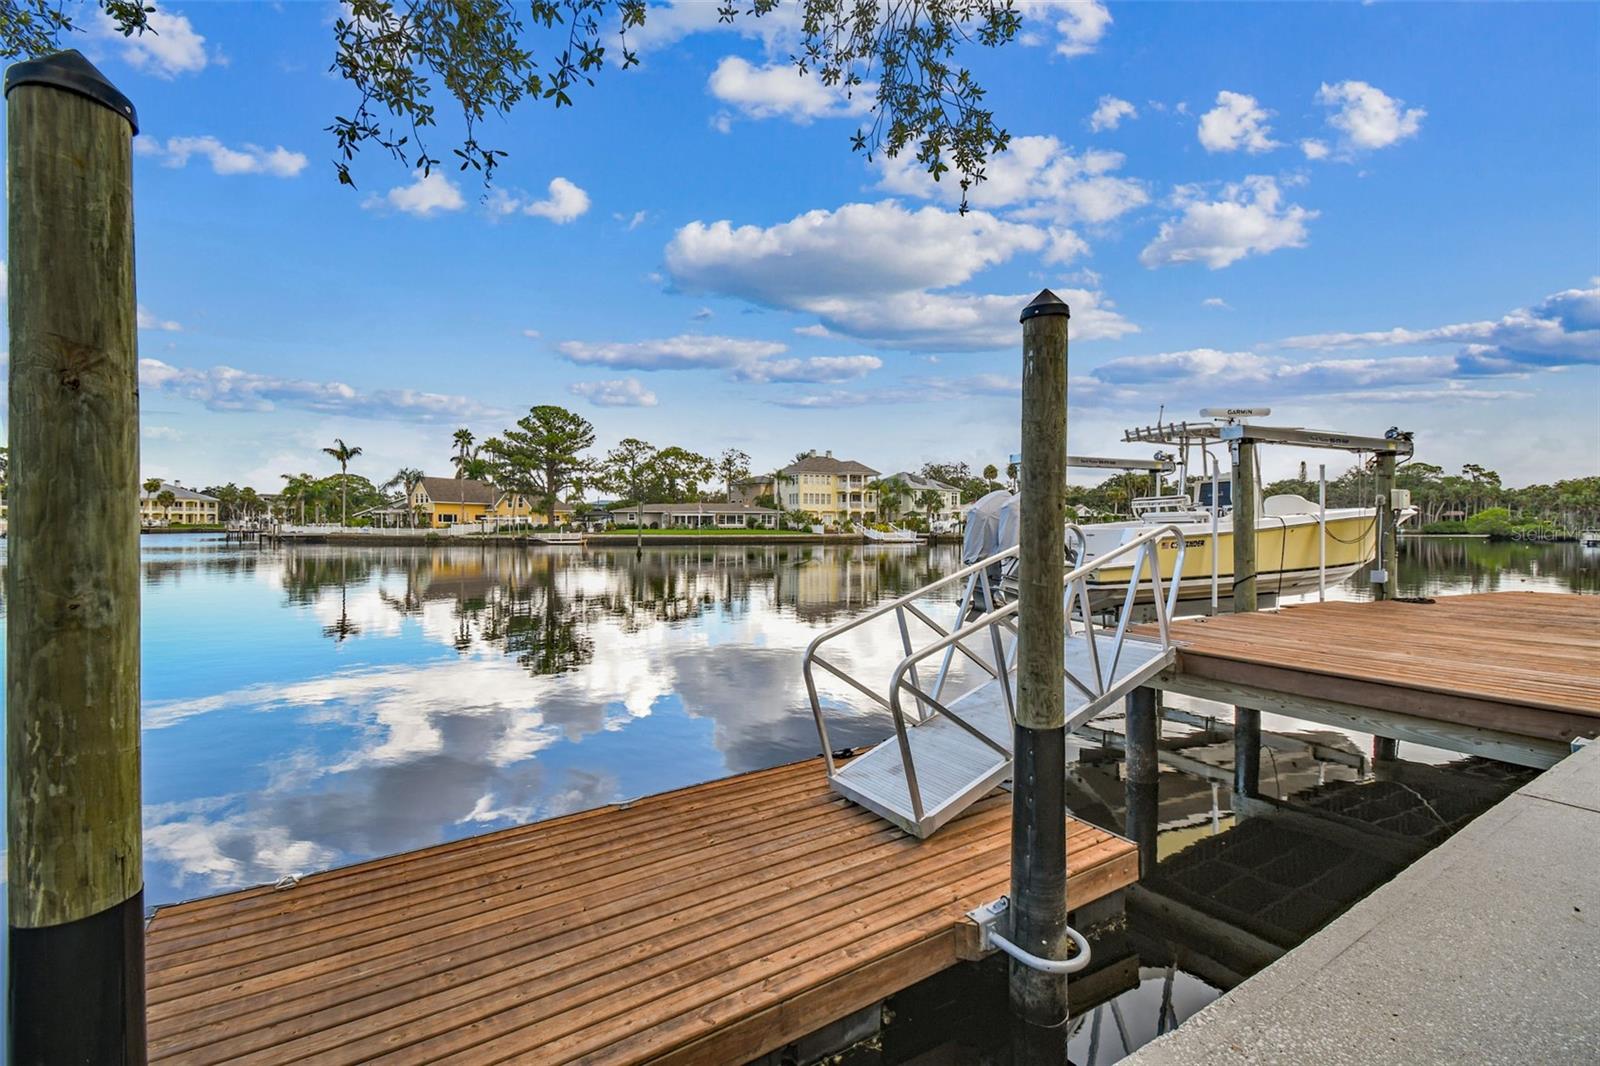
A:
(179, 492)
(699, 508)
(918, 483)
(459, 490)
(826, 464)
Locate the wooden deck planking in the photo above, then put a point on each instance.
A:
(1522, 662)
(709, 924)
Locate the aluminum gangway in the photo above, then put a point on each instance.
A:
(949, 750)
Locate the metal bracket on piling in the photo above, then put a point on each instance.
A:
(991, 916)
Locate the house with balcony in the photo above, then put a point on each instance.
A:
(189, 508)
(834, 490)
(949, 510)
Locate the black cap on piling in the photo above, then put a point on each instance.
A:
(1046, 303)
(70, 71)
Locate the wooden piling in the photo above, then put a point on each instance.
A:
(1038, 818)
(1143, 773)
(76, 957)
(1246, 720)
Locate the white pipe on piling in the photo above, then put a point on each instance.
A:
(1322, 532)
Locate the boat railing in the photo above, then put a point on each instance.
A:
(988, 641)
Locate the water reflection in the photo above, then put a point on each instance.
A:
(312, 706)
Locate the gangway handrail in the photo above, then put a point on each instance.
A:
(977, 578)
(1144, 547)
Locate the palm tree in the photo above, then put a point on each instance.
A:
(166, 499)
(930, 500)
(405, 478)
(343, 453)
(465, 452)
(297, 489)
(151, 486)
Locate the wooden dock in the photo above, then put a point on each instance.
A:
(1509, 675)
(708, 925)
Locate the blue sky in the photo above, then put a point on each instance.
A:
(1360, 215)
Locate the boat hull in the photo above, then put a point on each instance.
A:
(1287, 556)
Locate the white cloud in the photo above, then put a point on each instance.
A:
(742, 360)
(1561, 330)
(148, 320)
(702, 314)
(779, 90)
(1036, 177)
(866, 271)
(532, 334)
(565, 201)
(1110, 113)
(1366, 117)
(427, 194)
(684, 352)
(619, 392)
(4, 282)
(1080, 23)
(169, 46)
(1249, 219)
(226, 388)
(864, 250)
(1314, 149)
(924, 321)
(633, 221)
(160, 433)
(246, 159)
(1236, 122)
(1217, 302)
(814, 369)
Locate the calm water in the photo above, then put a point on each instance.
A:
(309, 707)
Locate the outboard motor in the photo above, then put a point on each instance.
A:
(991, 529)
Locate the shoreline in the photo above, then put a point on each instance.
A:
(603, 540)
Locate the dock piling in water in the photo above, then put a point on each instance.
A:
(76, 979)
(1038, 819)
(1246, 720)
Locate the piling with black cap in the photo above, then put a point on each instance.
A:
(76, 883)
(1038, 798)
(1246, 720)
(1143, 773)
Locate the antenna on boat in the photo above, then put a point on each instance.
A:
(1232, 415)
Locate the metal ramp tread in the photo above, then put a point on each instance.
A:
(953, 768)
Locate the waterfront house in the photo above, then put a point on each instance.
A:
(449, 501)
(750, 489)
(949, 509)
(697, 515)
(189, 508)
(834, 490)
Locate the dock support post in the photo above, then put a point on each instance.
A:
(1143, 773)
(1386, 749)
(76, 959)
(1038, 799)
(1246, 720)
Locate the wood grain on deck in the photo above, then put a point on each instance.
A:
(1524, 662)
(710, 924)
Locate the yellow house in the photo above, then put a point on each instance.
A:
(834, 490)
(449, 501)
(189, 508)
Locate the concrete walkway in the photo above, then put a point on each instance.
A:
(1485, 950)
